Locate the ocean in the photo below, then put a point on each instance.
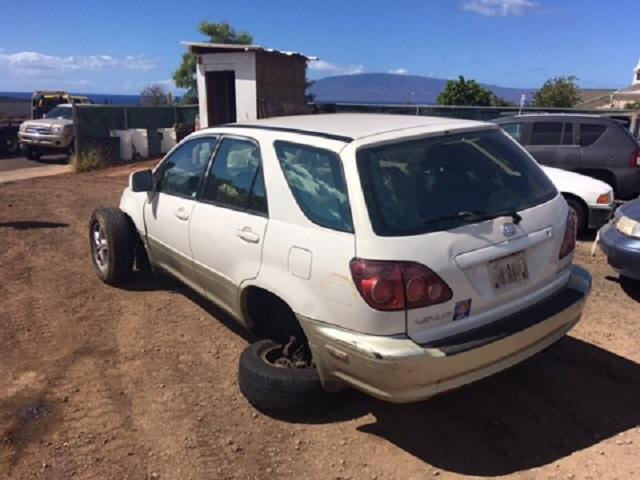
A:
(98, 98)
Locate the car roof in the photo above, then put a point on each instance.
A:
(347, 127)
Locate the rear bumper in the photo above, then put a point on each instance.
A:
(623, 252)
(396, 369)
(598, 216)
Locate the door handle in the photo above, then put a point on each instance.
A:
(181, 214)
(248, 235)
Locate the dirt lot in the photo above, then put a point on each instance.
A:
(140, 382)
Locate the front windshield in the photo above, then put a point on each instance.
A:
(439, 183)
(60, 112)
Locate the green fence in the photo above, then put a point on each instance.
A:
(469, 113)
(93, 124)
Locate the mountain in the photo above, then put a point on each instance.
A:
(389, 88)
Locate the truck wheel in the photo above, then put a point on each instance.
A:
(11, 145)
(33, 154)
(113, 244)
(581, 214)
(273, 385)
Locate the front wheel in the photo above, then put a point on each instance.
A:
(580, 212)
(32, 154)
(273, 383)
(113, 245)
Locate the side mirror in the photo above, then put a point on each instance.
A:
(141, 181)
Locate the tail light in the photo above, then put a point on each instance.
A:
(569, 240)
(634, 158)
(387, 285)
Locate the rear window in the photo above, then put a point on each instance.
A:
(434, 184)
(590, 133)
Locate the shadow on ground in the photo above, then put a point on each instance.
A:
(32, 225)
(629, 286)
(565, 399)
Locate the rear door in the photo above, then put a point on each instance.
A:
(553, 143)
(229, 221)
(168, 211)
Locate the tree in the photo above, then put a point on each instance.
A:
(633, 105)
(464, 92)
(497, 101)
(155, 94)
(558, 92)
(184, 76)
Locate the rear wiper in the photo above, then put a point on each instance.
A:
(477, 215)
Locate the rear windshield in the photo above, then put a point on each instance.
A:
(434, 184)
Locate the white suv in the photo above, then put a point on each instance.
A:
(402, 256)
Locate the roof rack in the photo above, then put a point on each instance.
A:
(330, 136)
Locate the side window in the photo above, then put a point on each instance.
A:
(236, 178)
(181, 172)
(546, 133)
(590, 133)
(567, 134)
(317, 183)
(514, 130)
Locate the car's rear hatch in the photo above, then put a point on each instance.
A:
(493, 233)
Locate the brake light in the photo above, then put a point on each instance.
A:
(634, 158)
(387, 285)
(569, 240)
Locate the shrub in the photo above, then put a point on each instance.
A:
(90, 158)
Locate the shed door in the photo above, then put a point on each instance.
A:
(221, 97)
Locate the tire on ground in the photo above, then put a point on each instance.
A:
(121, 244)
(276, 389)
(32, 154)
(581, 213)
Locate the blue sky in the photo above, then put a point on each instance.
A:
(119, 46)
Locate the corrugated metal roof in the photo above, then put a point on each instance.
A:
(203, 47)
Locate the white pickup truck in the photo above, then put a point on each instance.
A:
(51, 134)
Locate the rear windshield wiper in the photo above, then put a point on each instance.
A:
(476, 215)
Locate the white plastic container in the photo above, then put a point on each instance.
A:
(140, 142)
(169, 139)
(126, 147)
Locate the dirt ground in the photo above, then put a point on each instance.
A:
(140, 382)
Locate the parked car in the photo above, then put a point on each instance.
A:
(592, 145)
(591, 200)
(620, 240)
(402, 256)
(52, 134)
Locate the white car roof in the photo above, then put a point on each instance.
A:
(353, 126)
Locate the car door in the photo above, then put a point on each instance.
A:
(591, 155)
(553, 143)
(229, 221)
(168, 212)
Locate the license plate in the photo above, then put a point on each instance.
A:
(508, 270)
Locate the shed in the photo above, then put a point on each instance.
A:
(247, 82)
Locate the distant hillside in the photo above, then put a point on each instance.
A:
(390, 88)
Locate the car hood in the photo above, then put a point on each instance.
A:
(631, 209)
(49, 122)
(580, 185)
